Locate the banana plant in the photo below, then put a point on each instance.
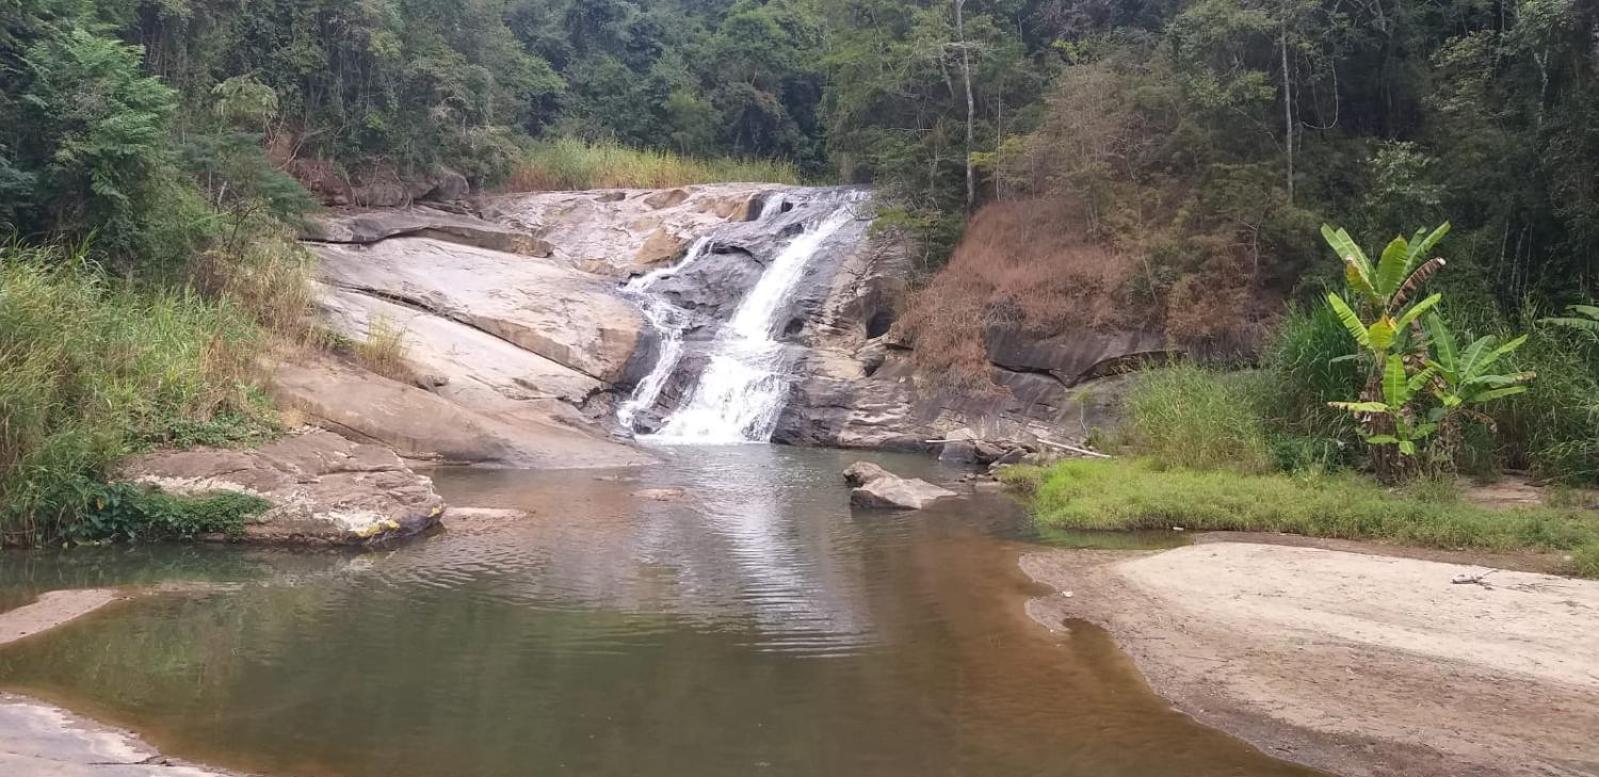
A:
(1463, 376)
(1399, 390)
(1384, 289)
(1583, 318)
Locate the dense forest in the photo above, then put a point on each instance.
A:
(1176, 156)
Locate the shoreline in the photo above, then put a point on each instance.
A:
(1358, 661)
(39, 739)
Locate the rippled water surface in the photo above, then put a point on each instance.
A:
(723, 613)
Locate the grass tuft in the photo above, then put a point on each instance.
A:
(1188, 416)
(383, 351)
(570, 164)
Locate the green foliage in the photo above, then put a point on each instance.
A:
(127, 512)
(92, 369)
(1187, 416)
(1405, 367)
(1131, 495)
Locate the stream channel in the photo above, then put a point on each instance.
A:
(723, 613)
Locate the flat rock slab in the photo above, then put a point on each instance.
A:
(38, 740)
(324, 488)
(425, 425)
(372, 226)
(1359, 664)
(571, 318)
(49, 611)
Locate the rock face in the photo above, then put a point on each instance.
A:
(531, 434)
(877, 488)
(563, 315)
(324, 488)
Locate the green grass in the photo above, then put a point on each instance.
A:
(569, 164)
(92, 369)
(1125, 495)
(1187, 416)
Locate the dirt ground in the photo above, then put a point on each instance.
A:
(51, 610)
(1353, 662)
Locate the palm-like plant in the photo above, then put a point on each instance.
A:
(1410, 351)
(1583, 318)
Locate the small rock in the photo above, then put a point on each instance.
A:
(661, 494)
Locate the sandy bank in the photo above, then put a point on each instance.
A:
(1358, 664)
(39, 740)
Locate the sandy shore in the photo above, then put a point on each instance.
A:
(41, 740)
(1354, 663)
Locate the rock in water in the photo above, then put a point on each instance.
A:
(877, 488)
(324, 489)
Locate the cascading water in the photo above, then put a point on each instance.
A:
(741, 393)
(669, 322)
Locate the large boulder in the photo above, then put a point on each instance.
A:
(877, 488)
(324, 489)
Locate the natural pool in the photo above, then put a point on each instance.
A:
(750, 625)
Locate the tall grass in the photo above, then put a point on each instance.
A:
(1189, 416)
(568, 164)
(92, 369)
(1131, 495)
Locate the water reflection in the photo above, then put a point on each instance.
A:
(752, 625)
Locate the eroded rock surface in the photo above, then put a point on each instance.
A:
(324, 489)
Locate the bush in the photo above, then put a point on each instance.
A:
(1188, 416)
(124, 511)
(1553, 430)
(1132, 495)
(92, 369)
(574, 164)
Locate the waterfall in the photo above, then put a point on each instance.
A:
(669, 321)
(741, 393)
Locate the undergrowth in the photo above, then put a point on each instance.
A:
(93, 369)
(1132, 495)
(568, 164)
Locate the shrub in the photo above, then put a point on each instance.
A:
(1188, 416)
(123, 511)
(574, 164)
(92, 369)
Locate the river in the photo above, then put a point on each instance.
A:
(723, 613)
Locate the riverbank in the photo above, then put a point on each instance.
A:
(42, 740)
(1359, 664)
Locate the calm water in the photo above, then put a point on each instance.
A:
(752, 626)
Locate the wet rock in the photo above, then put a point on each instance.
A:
(958, 452)
(877, 488)
(324, 489)
(659, 247)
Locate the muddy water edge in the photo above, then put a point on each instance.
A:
(724, 613)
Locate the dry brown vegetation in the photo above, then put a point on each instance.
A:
(1093, 230)
(1020, 263)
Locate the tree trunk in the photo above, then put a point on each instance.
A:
(971, 107)
(1288, 112)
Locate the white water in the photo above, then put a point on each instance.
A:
(669, 321)
(742, 391)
